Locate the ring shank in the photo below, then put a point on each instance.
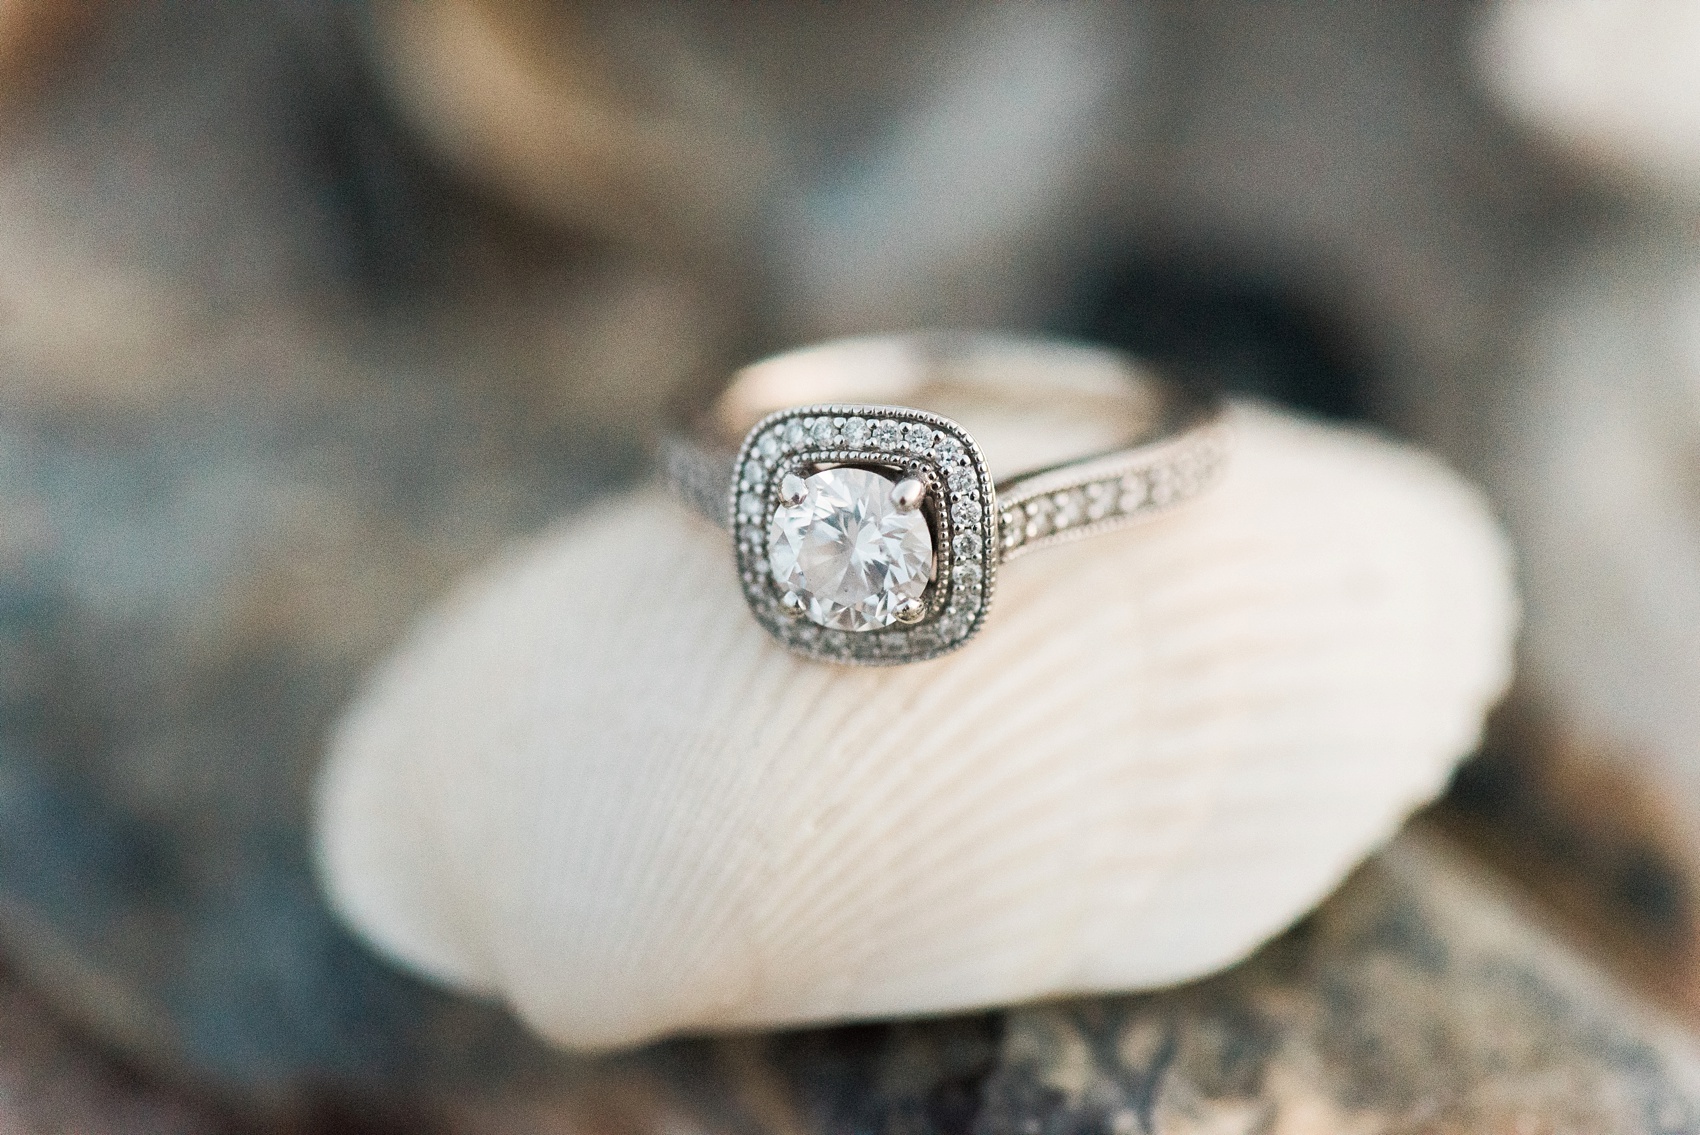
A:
(1172, 448)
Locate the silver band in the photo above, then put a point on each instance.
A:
(822, 406)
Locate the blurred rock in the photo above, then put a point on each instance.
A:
(34, 35)
(1108, 169)
(267, 384)
(1591, 447)
(1613, 87)
(52, 1081)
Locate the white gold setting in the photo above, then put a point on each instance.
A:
(872, 534)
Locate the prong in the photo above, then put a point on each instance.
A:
(792, 490)
(911, 611)
(908, 494)
(791, 605)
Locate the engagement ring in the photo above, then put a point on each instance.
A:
(869, 531)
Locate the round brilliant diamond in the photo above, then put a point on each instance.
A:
(847, 551)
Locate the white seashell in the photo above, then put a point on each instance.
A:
(593, 787)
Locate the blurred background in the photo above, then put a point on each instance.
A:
(306, 308)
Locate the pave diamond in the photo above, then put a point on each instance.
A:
(847, 553)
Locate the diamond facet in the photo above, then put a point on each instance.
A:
(848, 553)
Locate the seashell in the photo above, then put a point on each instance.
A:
(593, 787)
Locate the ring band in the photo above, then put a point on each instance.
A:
(868, 531)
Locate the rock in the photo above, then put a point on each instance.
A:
(53, 1081)
(1590, 790)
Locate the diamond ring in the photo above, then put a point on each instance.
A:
(869, 532)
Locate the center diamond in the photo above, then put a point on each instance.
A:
(848, 553)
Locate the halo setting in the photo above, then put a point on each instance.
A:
(864, 533)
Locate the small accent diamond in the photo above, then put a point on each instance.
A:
(823, 432)
(1134, 492)
(966, 512)
(966, 546)
(960, 478)
(968, 572)
(918, 438)
(769, 445)
(1165, 486)
(1038, 518)
(1100, 499)
(1012, 529)
(793, 433)
(947, 449)
(1067, 508)
(856, 432)
(887, 434)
